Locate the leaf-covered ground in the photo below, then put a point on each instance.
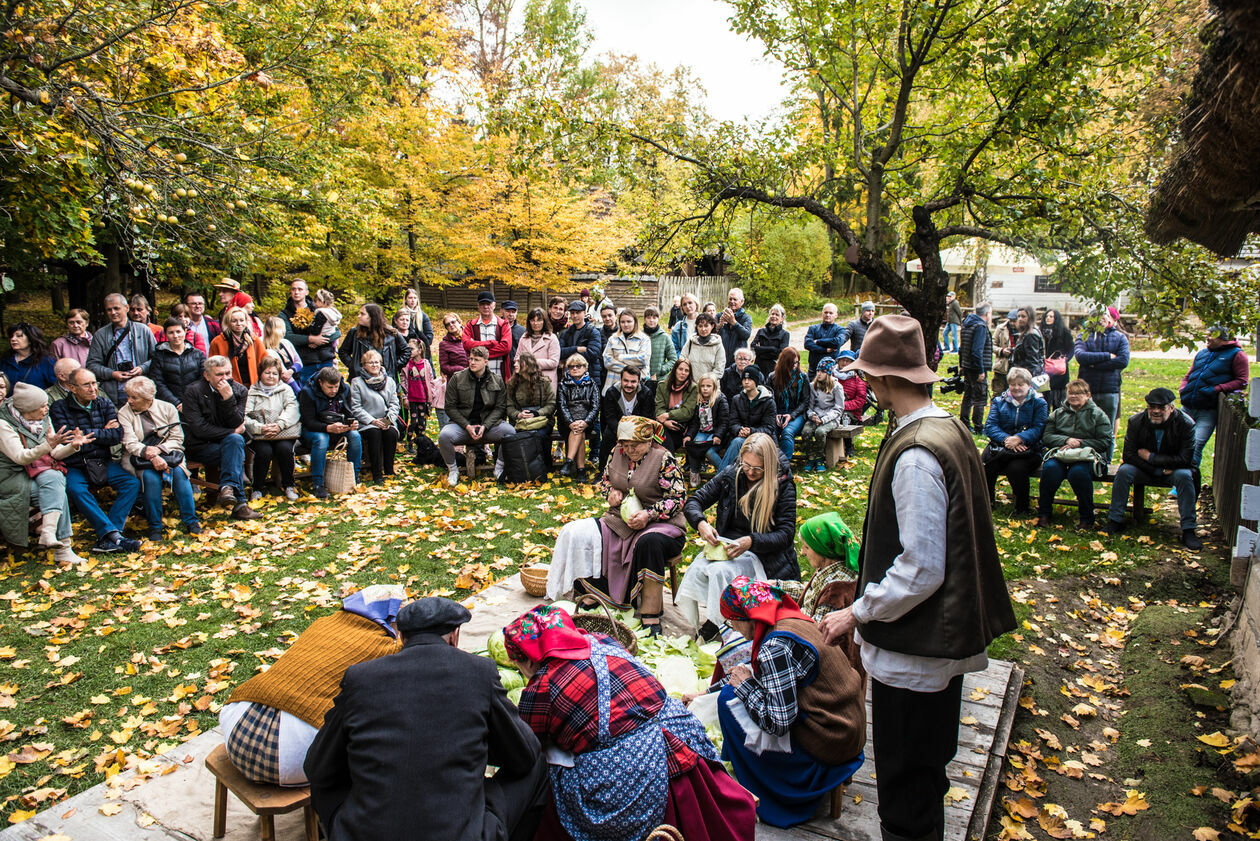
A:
(105, 664)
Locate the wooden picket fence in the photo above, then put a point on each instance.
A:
(1229, 473)
(634, 292)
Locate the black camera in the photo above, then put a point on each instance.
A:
(954, 383)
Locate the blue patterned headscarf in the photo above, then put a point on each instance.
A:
(379, 603)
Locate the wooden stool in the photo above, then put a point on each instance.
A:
(263, 800)
(837, 800)
(673, 563)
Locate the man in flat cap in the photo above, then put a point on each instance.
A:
(931, 596)
(1158, 450)
(494, 334)
(404, 750)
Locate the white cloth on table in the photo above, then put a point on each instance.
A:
(295, 739)
(705, 580)
(579, 553)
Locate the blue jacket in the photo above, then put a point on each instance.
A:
(822, 341)
(975, 344)
(67, 413)
(735, 336)
(27, 371)
(1095, 364)
(588, 336)
(1027, 420)
(1211, 368)
(678, 333)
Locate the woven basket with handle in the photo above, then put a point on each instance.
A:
(665, 832)
(596, 624)
(534, 580)
(338, 471)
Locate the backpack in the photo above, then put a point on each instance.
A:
(525, 457)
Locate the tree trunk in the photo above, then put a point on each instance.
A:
(58, 298)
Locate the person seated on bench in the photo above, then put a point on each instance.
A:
(1158, 450)
(476, 405)
(750, 411)
(794, 722)
(274, 422)
(531, 401)
(1078, 437)
(374, 404)
(214, 431)
(703, 439)
(826, 412)
(637, 547)
(153, 451)
(676, 399)
(755, 524)
(403, 752)
(271, 719)
(629, 756)
(628, 397)
(1016, 420)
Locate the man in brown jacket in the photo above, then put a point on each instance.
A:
(931, 592)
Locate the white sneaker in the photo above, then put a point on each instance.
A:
(291, 494)
(255, 496)
(452, 476)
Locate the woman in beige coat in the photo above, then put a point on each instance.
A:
(272, 420)
(153, 449)
(30, 471)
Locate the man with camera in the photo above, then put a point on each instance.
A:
(120, 350)
(975, 361)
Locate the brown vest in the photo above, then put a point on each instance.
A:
(306, 678)
(831, 720)
(646, 484)
(971, 608)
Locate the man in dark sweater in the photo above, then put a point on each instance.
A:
(214, 432)
(380, 769)
(933, 595)
(857, 327)
(630, 397)
(1158, 450)
(93, 467)
(975, 361)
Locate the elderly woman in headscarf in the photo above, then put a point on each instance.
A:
(794, 720)
(644, 526)
(625, 757)
(271, 719)
(31, 471)
(832, 551)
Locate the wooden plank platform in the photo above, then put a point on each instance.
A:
(990, 697)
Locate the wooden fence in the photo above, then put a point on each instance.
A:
(1229, 474)
(634, 292)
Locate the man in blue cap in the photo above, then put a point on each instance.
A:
(509, 310)
(403, 752)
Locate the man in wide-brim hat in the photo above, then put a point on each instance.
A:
(933, 596)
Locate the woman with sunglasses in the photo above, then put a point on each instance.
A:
(755, 524)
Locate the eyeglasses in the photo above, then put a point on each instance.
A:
(751, 470)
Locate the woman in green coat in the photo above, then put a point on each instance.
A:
(31, 472)
(676, 400)
(1077, 439)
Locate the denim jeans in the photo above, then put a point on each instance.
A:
(1204, 426)
(1110, 404)
(732, 454)
(1080, 475)
(319, 442)
(48, 494)
(308, 372)
(127, 486)
(151, 487)
(1129, 475)
(950, 341)
(787, 435)
(228, 455)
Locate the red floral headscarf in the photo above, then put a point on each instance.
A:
(544, 632)
(761, 603)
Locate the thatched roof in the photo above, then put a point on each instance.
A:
(1211, 192)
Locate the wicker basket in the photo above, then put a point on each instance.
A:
(534, 580)
(594, 623)
(664, 832)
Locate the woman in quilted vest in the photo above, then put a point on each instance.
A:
(794, 719)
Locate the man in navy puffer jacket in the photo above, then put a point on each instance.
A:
(1219, 368)
(1101, 357)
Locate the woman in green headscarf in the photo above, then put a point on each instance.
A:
(832, 550)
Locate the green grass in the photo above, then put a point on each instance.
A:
(159, 638)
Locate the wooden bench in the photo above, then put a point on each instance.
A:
(1140, 511)
(838, 440)
(263, 800)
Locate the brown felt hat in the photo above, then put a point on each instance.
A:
(893, 347)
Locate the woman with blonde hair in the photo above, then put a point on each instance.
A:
(238, 343)
(754, 525)
(276, 345)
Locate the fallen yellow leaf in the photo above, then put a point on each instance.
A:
(1216, 740)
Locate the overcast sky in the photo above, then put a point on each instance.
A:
(739, 81)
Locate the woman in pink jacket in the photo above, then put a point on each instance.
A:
(542, 343)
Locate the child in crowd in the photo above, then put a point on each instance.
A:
(327, 316)
(856, 397)
(579, 405)
(825, 414)
(419, 389)
(704, 434)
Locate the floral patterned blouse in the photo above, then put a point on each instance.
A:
(670, 478)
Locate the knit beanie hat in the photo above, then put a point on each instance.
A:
(752, 372)
(27, 398)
